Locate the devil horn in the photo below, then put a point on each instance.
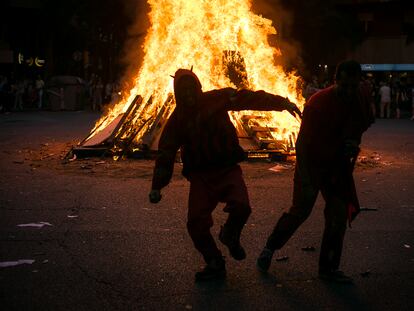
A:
(172, 76)
(191, 68)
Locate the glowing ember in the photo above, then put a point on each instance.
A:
(225, 43)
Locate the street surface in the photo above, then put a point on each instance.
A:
(100, 245)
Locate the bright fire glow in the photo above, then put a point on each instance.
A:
(197, 33)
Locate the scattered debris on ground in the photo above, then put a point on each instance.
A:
(6, 264)
(280, 167)
(309, 249)
(368, 209)
(365, 274)
(39, 225)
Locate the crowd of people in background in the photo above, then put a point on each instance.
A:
(31, 93)
(18, 94)
(391, 96)
(101, 94)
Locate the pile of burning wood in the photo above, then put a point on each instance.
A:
(118, 138)
(132, 134)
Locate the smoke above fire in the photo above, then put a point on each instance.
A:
(283, 21)
(225, 42)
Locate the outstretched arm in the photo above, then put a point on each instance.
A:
(164, 164)
(261, 100)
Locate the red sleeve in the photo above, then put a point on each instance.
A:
(229, 99)
(259, 100)
(167, 149)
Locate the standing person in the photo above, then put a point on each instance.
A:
(210, 151)
(39, 85)
(369, 83)
(385, 100)
(403, 97)
(116, 93)
(108, 92)
(18, 95)
(326, 149)
(3, 93)
(311, 88)
(97, 94)
(90, 89)
(412, 102)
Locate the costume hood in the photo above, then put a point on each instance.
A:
(185, 72)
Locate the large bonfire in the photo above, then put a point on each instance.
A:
(226, 44)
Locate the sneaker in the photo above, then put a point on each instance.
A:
(214, 270)
(335, 276)
(264, 260)
(231, 238)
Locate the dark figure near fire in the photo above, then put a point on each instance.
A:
(200, 126)
(334, 120)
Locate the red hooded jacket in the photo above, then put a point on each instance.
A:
(327, 124)
(205, 133)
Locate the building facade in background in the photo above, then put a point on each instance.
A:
(81, 38)
(388, 31)
(69, 37)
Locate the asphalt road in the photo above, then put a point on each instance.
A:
(103, 246)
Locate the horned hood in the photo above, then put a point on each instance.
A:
(185, 72)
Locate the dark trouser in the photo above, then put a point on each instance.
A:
(207, 189)
(305, 192)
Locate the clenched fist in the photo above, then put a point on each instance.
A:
(293, 109)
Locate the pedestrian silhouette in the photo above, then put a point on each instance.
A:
(334, 120)
(210, 151)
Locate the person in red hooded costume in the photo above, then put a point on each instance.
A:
(200, 126)
(334, 120)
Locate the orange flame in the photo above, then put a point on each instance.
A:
(197, 33)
